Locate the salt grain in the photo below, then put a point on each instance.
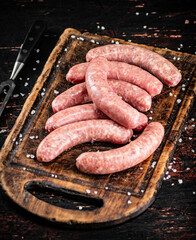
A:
(80, 207)
(180, 181)
(170, 94)
(129, 193)
(174, 170)
(187, 168)
(3, 130)
(38, 50)
(22, 94)
(172, 184)
(16, 95)
(178, 100)
(73, 36)
(129, 202)
(142, 190)
(24, 168)
(137, 13)
(102, 28)
(193, 125)
(92, 40)
(88, 190)
(56, 92)
(192, 119)
(192, 150)
(190, 138)
(95, 192)
(180, 140)
(31, 137)
(26, 84)
(37, 61)
(33, 112)
(106, 188)
(153, 164)
(193, 192)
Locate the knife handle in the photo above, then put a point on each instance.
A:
(31, 39)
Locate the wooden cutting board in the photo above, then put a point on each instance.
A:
(57, 191)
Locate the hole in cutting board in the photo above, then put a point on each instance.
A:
(62, 197)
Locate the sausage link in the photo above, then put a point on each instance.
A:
(121, 71)
(142, 57)
(104, 97)
(130, 93)
(82, 113)
(74, 114)
(73, 96)
(70, 135)
(122, 158)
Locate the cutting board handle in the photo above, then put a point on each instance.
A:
(16, 185)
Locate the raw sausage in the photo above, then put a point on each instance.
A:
(121, 71)
(72, 134)
(149, 60)
(82, 113)
(104, 97)
(122, 158)
(130, 93)
(73, 96)
(74, 114)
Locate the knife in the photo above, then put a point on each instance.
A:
(31, 39)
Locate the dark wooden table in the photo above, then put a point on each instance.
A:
(166, 24)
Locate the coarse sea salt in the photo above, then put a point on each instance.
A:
(153, 164)
(88, 190)
(180, 181)
(129, 202)
(56, 92)
(178, 100)
(33, 112)
(80, 207)
(3, 130)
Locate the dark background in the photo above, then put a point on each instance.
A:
(165, 24)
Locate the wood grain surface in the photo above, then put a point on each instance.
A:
(172, 214)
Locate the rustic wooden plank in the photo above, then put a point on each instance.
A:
(62, 174)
